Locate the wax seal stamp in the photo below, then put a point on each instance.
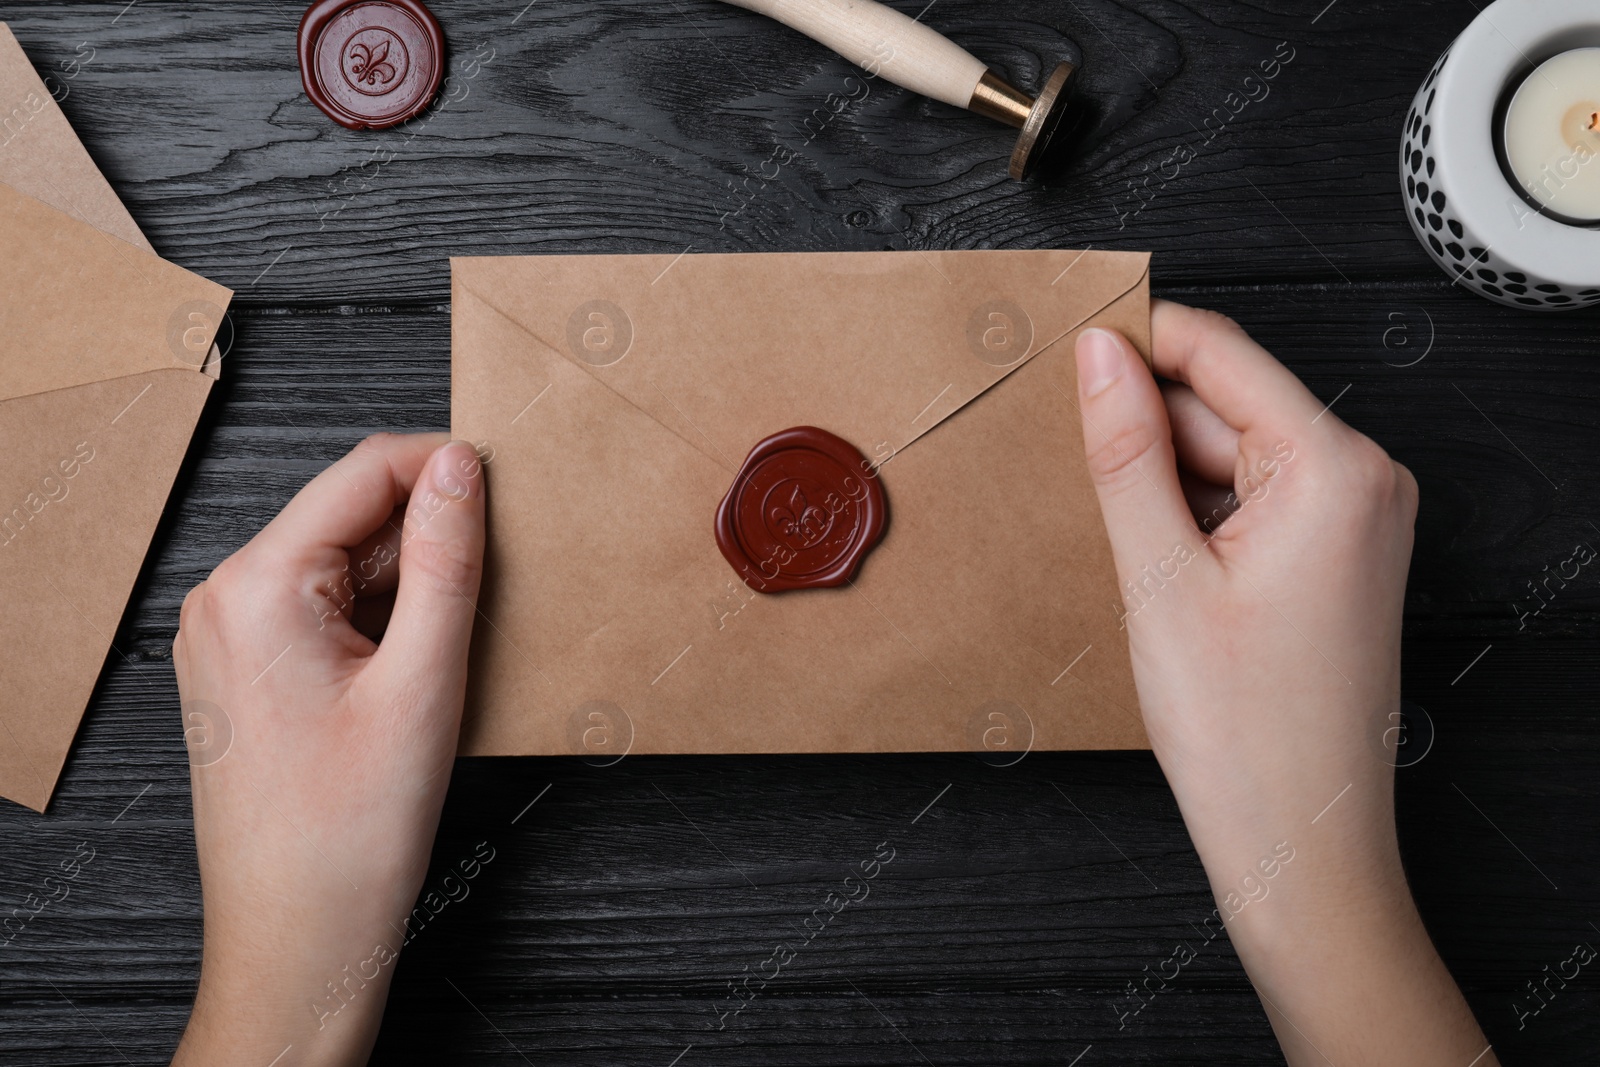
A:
(801, 513)
(370, 64)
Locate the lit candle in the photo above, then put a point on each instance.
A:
(1552, 135)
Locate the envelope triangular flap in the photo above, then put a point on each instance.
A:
(877, 347)
(86, 476)
(82, 306)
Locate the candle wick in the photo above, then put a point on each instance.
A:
(1594, 121)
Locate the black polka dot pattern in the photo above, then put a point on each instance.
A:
(1448, 240)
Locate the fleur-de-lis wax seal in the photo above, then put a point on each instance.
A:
(802, 512)
(370, 64)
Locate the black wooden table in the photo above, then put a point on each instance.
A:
(1023, 900)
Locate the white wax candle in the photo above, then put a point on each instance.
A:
(1552, 134)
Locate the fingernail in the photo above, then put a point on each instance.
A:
(457, 470)
(1100, 361)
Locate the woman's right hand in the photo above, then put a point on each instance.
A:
(1262, 546)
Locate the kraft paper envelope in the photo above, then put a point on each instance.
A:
(615, 397)
(104, 370)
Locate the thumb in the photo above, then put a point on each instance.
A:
(1128, 442)
(424, 648)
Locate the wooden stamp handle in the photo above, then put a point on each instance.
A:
(883, 41)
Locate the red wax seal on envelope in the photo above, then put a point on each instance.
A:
(801, 513)
(370, 64)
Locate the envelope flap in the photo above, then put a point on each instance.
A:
(877, 347)
(82, 306)
(87, 474)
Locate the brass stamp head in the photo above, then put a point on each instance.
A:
(1044, 118)
(1037, 118)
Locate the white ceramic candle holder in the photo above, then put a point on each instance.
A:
(1473, 221)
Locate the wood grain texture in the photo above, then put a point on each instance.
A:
(1022, 903)
(635, 127)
